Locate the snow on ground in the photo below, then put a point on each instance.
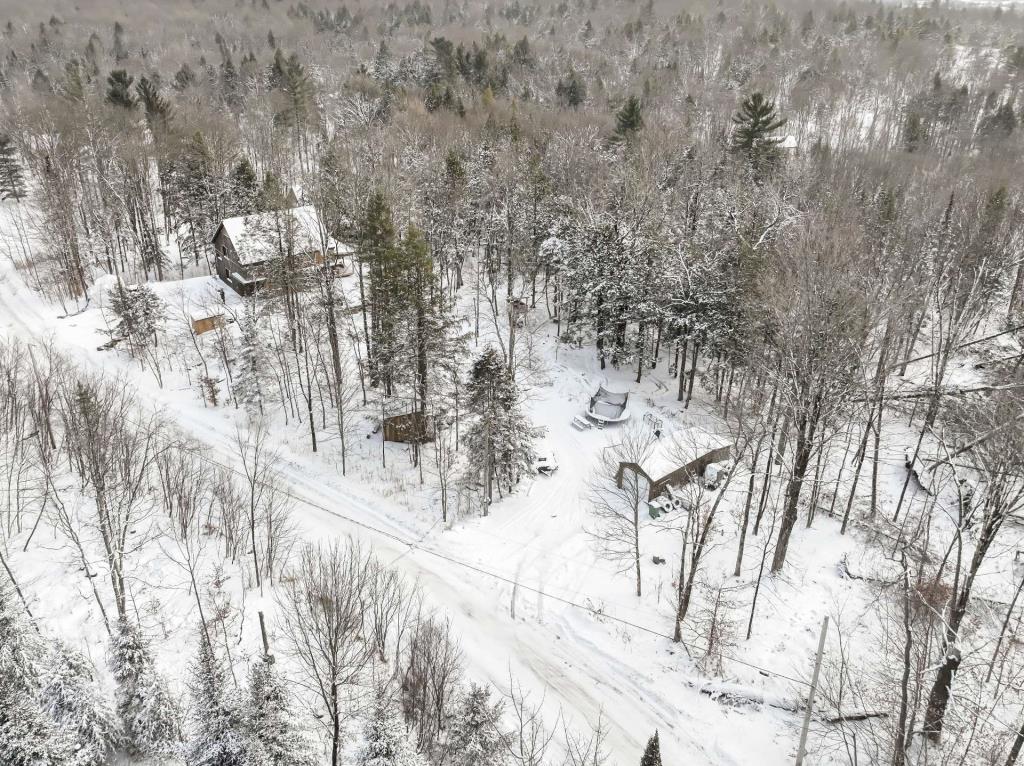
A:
(527, 595)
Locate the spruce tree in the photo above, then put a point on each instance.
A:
(139, 311)
(914, 133)
(571, 91)
(28, 735)
(756, 122)
(157, 108)
(385, 739)
(73, 697)
(245, 189)
(217, 734)
(629, 119)
(148, 713)
(273, 727)
(377, 254)
(476, 738)
(500, 439)
(652, 753)
(120, 48)
(250, 368)
(119, 89)
(184, 78)
(12, 183)
(1000, 124)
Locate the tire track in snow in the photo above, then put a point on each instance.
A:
(574, 674)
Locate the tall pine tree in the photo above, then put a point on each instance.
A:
(476, 738)
(652, 753)
(274, 729)
(12, 184)
(147, 710)
(629, 119)
(386, 741)
(756, 122)
(217, 734)
(500, 439)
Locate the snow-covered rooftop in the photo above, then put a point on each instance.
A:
(673, 451)
(258, 237)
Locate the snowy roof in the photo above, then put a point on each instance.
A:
(672, 452)
(789, 142)
(200, 313)
(257, 237)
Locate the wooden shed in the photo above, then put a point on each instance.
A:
(408, 428)
(203, 321)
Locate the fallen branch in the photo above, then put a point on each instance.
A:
(855, 717)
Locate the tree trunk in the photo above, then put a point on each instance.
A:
(805, 437)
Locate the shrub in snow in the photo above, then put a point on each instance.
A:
(148, 712)
(476, 738)
(386, 741)
(74, 699)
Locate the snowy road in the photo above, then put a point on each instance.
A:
(557, 651)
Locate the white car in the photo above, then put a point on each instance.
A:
(545, 463)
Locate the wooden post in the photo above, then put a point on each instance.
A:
(810, 694)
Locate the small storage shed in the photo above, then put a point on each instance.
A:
(205, 321)
(409, 428)
(661, 473)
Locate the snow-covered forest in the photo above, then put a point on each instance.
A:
(511, 383)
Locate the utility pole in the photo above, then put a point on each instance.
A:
(810, 695)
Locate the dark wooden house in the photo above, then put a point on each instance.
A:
(243, 245)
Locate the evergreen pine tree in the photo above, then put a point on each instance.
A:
(139, 311)
(41, 83)
(119, 89)
(652, 753)
(184, 78)
(120, 48)
(571, 91)
(1000, 124)
(377, 254)
(157, 108)
(276, 733)
(476, 737)
(245, 189)
(28, 736)
(249, 372)
(500, 439)
(217, 734)
(914, 133)
(386, 741)
(629, 119)
(755, 123)
(74, 699)
(12, 184)
(272, 194)
(147, 711)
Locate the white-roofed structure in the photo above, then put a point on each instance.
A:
(245, 243)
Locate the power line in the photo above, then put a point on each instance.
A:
(451, 559)
(479, 570)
